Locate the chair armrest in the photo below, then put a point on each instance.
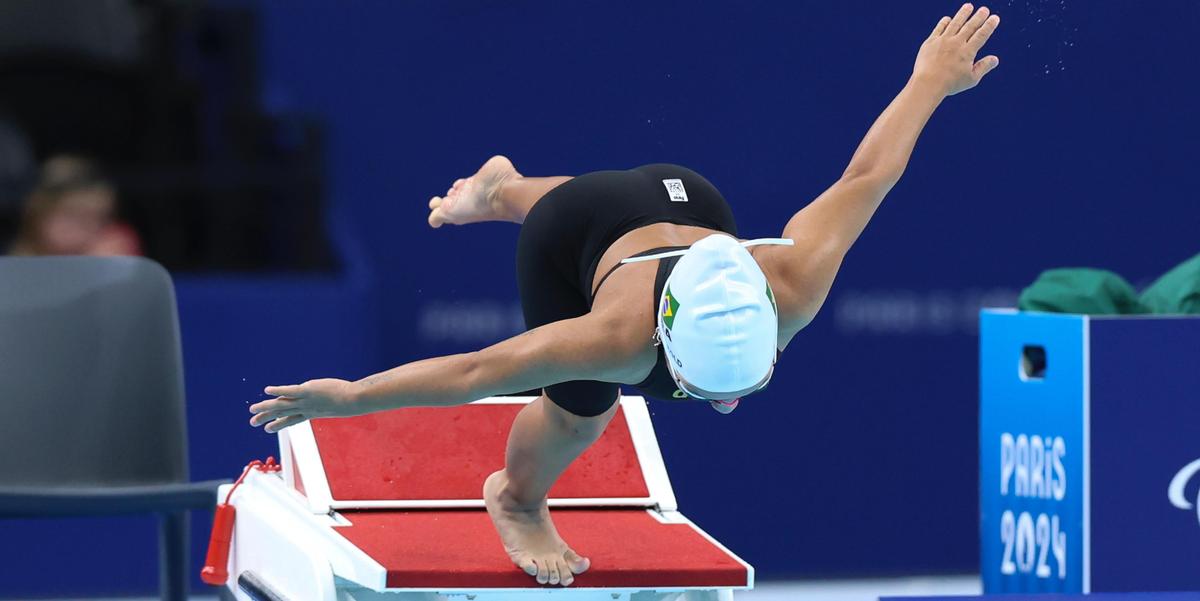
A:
(21, 502)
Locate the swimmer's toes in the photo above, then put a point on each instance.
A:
(565, 577)
(436, 217)
(577, 564)
(528, 565)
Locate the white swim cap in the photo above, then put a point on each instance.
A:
(717, 319)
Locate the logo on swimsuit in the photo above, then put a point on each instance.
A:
(1175, 492)
(675, 190)
(679, 394)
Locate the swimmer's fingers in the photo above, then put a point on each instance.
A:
(972, 24)
(984, 66)
(985, 31)
(960, 19)
(272, 409)
(295, 391)
(940, 28)
(284, 422)
(271, 405)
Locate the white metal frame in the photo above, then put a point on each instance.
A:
(306, 459)
(645, 444)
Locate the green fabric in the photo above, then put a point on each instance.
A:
(1177, 291)
(1081, 290)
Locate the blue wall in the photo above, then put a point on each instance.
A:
(861, 457)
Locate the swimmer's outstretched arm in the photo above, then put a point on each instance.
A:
(802, 275)
(596, 346)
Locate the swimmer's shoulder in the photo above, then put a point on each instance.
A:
(622, 314)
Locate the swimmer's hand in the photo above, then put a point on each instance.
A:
(947, 58)
(294, 404)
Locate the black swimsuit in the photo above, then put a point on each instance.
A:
(568, 230)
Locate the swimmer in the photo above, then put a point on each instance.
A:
(638, 278)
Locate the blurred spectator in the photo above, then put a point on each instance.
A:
(72, 210)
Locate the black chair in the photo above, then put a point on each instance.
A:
(92, 418)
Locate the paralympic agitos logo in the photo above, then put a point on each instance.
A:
(1176, 493)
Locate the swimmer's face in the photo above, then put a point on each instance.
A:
(78, 221)
(725, 407)
(728, 399)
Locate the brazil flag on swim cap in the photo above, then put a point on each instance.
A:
(669, 308)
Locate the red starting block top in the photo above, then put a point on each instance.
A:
(439, 458)
(447, 453)
(460, 549)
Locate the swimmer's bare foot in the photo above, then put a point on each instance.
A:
(475, 198)
(529, 536)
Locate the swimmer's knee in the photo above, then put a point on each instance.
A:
(581, 426)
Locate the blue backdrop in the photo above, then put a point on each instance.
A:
(861, 458)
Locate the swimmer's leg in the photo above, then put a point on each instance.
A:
(544, 440)
(497, 192)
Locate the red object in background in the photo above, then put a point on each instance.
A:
(215, 571)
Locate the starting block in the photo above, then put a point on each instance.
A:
(388, 506)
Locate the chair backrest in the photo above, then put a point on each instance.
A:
(91, 373)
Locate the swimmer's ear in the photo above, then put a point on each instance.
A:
(985, 65)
